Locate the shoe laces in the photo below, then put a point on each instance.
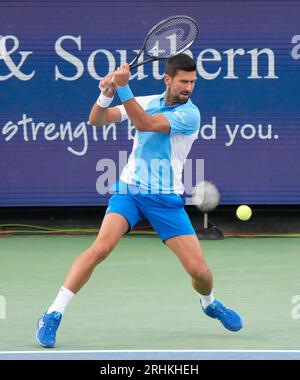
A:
(52, 326)
(223, 310)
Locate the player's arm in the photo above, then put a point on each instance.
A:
(144, 122)
(139, 118)
(101, 114)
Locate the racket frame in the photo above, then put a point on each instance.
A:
(132, 64)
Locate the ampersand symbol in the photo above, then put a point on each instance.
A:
(5, 55)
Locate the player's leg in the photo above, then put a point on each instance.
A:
(113, 227)
(167, 216)
(189, 252)
(121, 215)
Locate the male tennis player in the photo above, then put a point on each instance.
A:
(167, 125)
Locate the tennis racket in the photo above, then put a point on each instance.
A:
(169, 37)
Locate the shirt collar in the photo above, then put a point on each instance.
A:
(162, 96)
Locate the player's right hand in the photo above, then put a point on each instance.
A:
(107, 87)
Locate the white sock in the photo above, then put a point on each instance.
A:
(61, 301)
(207, 300)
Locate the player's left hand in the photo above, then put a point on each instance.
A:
(121, 76)
(107, 86)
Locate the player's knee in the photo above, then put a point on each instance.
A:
(100, 251)
(198, 272)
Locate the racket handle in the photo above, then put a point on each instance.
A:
(103, 88)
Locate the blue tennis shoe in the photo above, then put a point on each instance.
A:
(229, 318)
(46, 329)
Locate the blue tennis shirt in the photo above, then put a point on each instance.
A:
(156, 161)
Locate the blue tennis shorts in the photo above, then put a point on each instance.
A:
(165, 212)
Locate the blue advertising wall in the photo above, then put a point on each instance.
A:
(248, 93)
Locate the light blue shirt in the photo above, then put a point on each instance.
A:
(156, 161)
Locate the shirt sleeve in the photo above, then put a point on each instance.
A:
(143, 102)
(185, 121)
(124, 115)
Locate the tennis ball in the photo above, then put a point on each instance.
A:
(244, 212)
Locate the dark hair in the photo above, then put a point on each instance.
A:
(180, 61)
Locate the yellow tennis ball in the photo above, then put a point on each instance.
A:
(244, 212)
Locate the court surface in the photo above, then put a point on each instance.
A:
(139, 302)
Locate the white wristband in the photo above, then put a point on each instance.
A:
(104, 101)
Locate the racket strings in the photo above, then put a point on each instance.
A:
(171, 37)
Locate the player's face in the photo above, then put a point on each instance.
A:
(180, 87)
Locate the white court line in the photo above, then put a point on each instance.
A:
(105, 355)
(47, 351)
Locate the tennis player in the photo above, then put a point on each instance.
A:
(167, 125)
